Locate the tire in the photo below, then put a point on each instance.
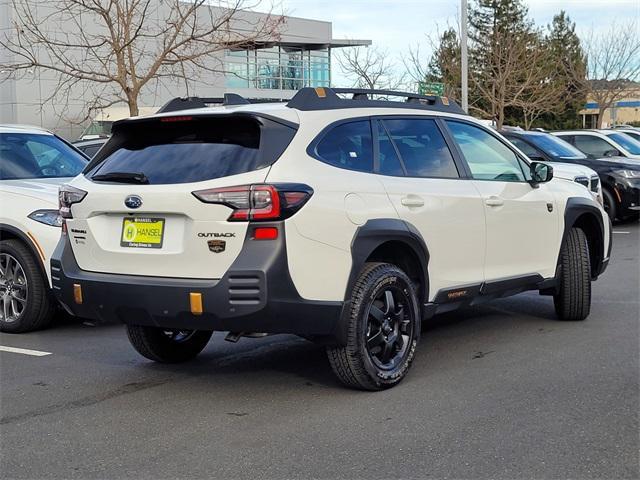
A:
(25, 301)
(165, 345)
(382, 332)
(609, 204)
(573, 300)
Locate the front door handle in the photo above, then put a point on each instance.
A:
(412, 201)
(494, 201)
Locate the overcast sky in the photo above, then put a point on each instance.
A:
(395, 24)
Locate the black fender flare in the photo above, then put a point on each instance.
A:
(574, 209)
(366, 239)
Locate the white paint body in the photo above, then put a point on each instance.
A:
(468, 240)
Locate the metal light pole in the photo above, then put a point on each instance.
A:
(464, 61)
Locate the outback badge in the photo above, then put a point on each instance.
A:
(216, 246)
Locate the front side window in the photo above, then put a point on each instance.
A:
(592, 145)
(349, 146)
(29, 156)
(488, 157)
(422, 148)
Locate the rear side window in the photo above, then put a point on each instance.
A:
(192, 149)
(422, 148)
(349, 146)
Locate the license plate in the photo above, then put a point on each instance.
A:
(142, 232)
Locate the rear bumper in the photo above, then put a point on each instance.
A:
(255, 295)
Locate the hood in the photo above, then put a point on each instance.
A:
(617, 162)
(45, 189)
(569, 171)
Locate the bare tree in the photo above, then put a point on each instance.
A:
(613, 65)
(542, 85)
(369, 68)
(116, 48)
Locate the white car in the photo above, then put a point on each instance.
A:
(343, 220)
(602, 143)
(33, 164)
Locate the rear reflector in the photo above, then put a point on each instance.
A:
(265, 233)
(77, 293)
(195, 302)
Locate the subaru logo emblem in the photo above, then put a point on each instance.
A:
(133, 201)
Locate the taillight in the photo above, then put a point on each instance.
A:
(67, 196)
(259, 202)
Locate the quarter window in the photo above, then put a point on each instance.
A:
(349, 146)
(488, 157)
(422, 148)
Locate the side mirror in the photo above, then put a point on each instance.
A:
(611, 153)
(541, 172)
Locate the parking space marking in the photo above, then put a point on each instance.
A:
(24, 351)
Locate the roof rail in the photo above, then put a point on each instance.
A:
(187, 103)
(323, 98)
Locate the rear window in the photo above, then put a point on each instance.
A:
(192, 149)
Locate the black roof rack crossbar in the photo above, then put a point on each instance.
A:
(187, 103)
(322, 98)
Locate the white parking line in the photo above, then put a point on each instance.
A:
(24, 351)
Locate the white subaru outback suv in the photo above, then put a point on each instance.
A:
(343, 220)
(33, 165)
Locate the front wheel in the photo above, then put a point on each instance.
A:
(609, 204)
(383, 330)
(167, 345)
(25, 304)
(573, 300)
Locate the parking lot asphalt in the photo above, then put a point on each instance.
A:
(498, 391)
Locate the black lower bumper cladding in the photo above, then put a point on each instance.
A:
(255, 295)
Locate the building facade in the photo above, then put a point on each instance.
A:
(625, 111)
(301, 57)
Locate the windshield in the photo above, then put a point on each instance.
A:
(555, 146)
(625, 141)
(28, 156)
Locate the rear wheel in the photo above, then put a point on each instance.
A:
(167, 345)
(573, 300)
(25, 304)
(383, 330)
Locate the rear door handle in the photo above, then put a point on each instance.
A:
(494, 201)
(412, 201)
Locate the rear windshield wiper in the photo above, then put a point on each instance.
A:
(122, 177)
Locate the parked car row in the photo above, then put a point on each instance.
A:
(619, 176)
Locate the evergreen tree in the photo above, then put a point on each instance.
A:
(567, 51)
(444, 66)
(502, 38)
